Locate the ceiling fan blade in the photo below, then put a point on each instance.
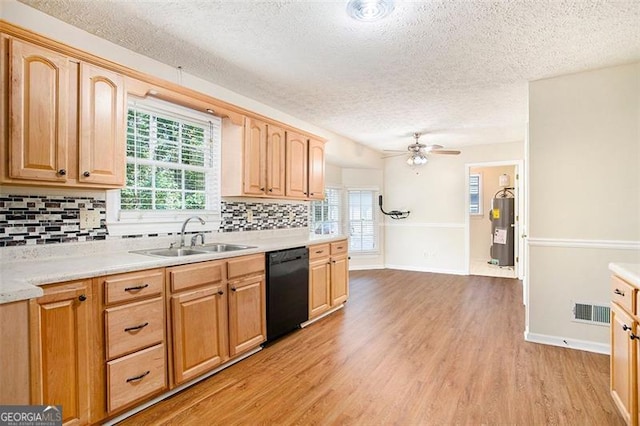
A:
(429, 148)
(394, 150)
(394, 155)
(445, 152)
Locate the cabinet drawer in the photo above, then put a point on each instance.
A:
(317, 251)
(135, 376)
(133, 286)
(245, 265)
(135, 326)
(622, 293)
(195, 275)
(339, 247)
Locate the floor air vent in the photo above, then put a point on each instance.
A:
(591, 313)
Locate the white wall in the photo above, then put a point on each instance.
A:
(584, 196)
(433, 237)
(480, 238)
(339, 150)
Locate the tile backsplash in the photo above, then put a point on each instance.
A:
(35, 219)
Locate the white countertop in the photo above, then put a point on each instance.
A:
(630, 272)
(21, 279)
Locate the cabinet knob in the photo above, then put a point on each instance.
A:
(262, 189)
(633, 336)
(86, 174)
(82, 298)
(220, 292)
(625, 327)
(62, 172)
(270, 189)
(234, 289)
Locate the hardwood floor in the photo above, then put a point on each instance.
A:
(409, 348)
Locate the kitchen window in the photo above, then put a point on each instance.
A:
(363, 226)
(325, 214)
(173, 167)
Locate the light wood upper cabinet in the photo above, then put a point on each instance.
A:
(255, 144)
(316, 169)
(65, 120)
(102, 133)
(60, 349)
(297, 166)
(275, 167)
(38, 106)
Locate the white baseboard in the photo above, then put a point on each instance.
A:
(364, 267)
(423, 269)
(564, 342)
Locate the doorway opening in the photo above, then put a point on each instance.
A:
(493, 243)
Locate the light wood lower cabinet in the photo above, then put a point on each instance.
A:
(61, 347)
(135, 359)
(247, 314)
(199, 325)
(625, 345)
(328, 277)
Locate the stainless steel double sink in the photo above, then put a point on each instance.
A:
(190, 251)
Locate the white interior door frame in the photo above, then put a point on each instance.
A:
(521, 223)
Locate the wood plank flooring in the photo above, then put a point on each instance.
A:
(409, 348)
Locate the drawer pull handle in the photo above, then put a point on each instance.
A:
(319, 251)
(136, 288)
(618, 292)
(625, 327)
(633, 336)
(137, 327)
(140, 377)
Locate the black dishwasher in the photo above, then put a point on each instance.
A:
(287, 291)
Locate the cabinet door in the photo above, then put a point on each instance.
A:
(319, 287)
(339, 279)
(38, 106)
(199, 320)
(275, 161)
(621, 356)
(247, 314)
(316, 169)
(60, 349)
(255, 141)
(102, 135)
(296, 170)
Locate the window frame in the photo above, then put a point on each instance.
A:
(140, 222)
(375, 220)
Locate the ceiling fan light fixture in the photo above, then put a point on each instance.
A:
(369, 10)
(417, 160)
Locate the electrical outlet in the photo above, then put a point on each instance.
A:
(249, 216)
(89, 219)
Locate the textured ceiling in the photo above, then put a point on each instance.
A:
(454, 70)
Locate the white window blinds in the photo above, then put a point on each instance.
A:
(173, 158)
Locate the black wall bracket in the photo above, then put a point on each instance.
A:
(394, 214)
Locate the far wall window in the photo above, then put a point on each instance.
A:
(325, 214)
(362, 221)
(475, 194)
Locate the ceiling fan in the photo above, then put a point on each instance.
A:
(418, 151)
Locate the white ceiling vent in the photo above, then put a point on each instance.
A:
(590, 313)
